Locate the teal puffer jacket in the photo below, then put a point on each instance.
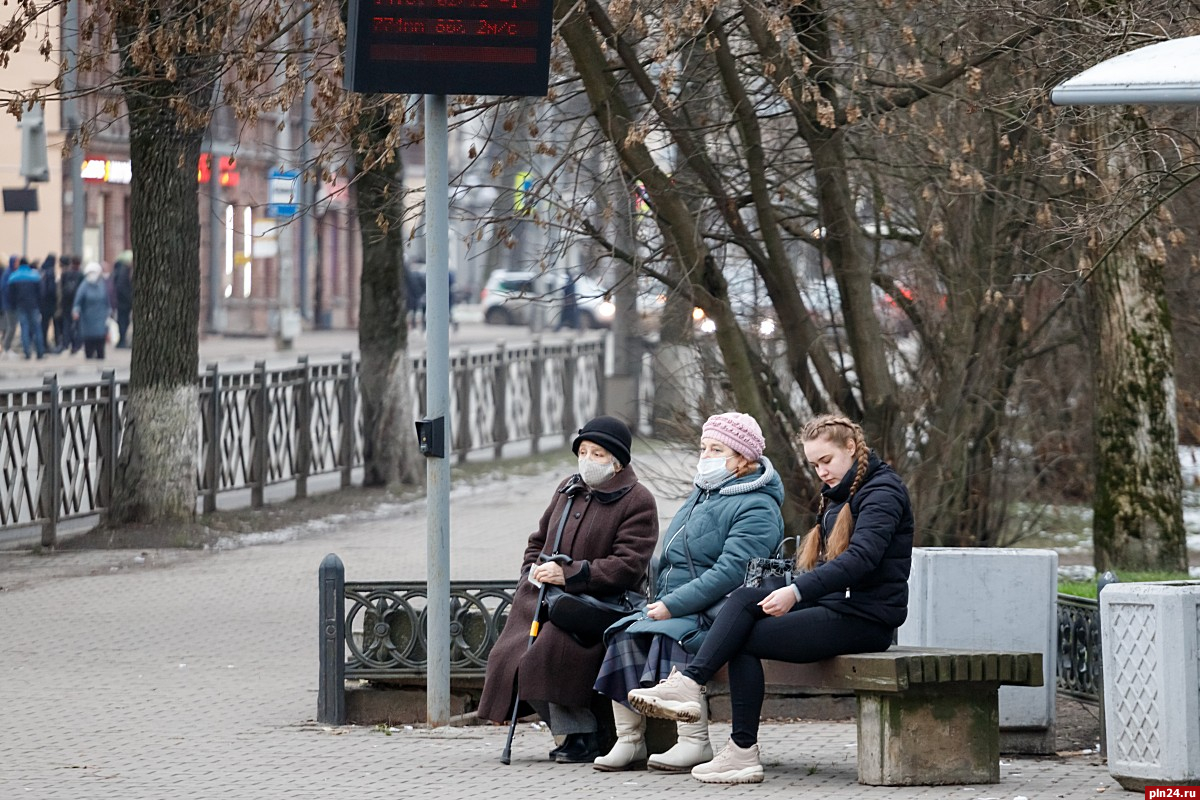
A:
(721, 530)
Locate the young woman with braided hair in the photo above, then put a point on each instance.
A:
(849, 595)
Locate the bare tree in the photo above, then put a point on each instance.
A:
(389, 439)
(926, 182)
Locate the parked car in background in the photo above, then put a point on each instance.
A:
(514, 297)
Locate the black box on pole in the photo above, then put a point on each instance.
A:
(489, 47)
(20, 199)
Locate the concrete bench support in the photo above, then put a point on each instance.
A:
(929, 735)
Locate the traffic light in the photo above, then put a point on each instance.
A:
(34, 167)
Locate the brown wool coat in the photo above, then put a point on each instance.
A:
(610, 534)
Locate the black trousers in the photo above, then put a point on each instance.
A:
(743, 634)
(93, 347)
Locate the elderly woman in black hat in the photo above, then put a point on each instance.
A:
(609, 535)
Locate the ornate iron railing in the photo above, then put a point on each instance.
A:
(1079, 663)
(261, 427)
(385, 627)
(377, 631)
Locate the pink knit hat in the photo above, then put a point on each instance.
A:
(739, 431)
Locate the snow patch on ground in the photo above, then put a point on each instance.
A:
(319, 526)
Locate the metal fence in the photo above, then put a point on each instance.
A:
(1079, 663)
(260, 427)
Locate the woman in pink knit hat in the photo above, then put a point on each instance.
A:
(848, 595)
(732, 515)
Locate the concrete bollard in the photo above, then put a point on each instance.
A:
(992, 599)
(1150, 635)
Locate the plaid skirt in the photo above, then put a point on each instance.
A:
(637, 660)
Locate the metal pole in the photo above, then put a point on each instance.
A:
(286, 324)
(25, 231)
(437, 392)
(71, 123)
(216, 230)
(306, 186)
(331, 691)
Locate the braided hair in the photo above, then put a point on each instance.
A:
(841, 432)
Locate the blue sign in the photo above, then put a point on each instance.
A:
(283, 190)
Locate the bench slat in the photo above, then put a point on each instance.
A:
(898, 668)
(1006, 667)
(916, 670)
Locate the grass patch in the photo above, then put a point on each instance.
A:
(1088, 588)
(1053, 526)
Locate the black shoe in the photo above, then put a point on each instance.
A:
(554, 753)
(579, 748)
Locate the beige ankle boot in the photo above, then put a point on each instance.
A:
(630, 750)
(691, 747)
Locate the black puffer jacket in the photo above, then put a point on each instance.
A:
(870, 579)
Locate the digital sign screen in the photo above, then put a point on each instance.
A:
(493, 47)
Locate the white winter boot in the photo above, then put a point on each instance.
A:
(630, 750)
(691, 746)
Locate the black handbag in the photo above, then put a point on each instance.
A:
(586, 616)
(775, 571)
(769, 573)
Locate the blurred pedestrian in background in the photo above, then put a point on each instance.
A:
(68, 284)
(91, 311)
(48, 299)
(25, 298)
(122, 290)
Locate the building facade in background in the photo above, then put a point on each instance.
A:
(26, 70)
(269, 242)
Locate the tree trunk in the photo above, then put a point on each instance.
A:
(1137, 510)
(956, 477)
(156, 469)
(389, 437)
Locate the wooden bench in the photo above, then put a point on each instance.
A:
(926, 716)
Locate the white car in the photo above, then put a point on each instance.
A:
(512, 298)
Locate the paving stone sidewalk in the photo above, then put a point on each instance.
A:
(194, 675)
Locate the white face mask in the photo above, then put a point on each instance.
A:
(595, 473)
(711, 472)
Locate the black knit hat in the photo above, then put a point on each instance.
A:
(608, 432)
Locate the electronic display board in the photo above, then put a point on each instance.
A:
(492, 47)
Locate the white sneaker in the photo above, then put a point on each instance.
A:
(732, 765)
(676, 697)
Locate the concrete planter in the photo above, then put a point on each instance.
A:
(1151, 638)
(992, 599)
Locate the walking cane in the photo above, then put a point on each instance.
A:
(570, 490)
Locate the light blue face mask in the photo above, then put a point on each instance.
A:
(711, 472)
